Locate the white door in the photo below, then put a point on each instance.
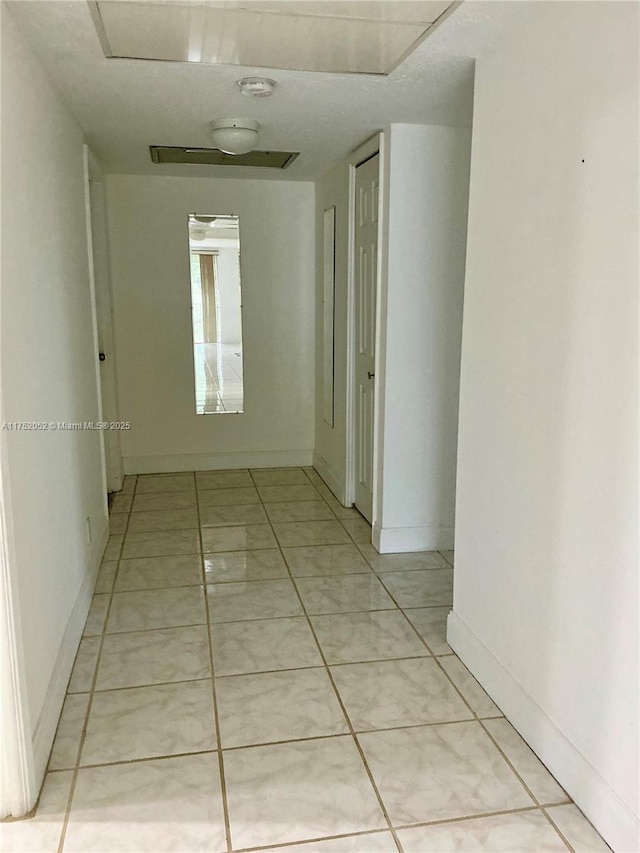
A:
(365, 278)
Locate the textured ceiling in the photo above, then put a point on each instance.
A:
(126, 105)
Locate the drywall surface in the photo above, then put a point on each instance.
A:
(426, 184)
(152, 322)
(332, 190)
(547, 502)
(48, 366)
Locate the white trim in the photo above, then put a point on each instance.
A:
(349, 413)
(613, 819)
(329, 477)
(104, 315)
(45, 729)
(218, 461)
(19, 789)
(373, 146)
(397, 540)
(87, 156)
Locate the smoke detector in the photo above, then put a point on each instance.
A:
(256, 87)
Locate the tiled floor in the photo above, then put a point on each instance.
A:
(254, 675)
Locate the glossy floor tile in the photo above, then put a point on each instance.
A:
(325, 560)
(431, 624)
(237, 602)
(310, 533)
(278, 706)
(163, 519)
(441, 772)
(142, 610)
(420, 588)
(299, 511)
(394, 693)
(164, 483)
(524, 832)
(263, 645)
(299, 790)
(261, 564)
(224, 516)
(380, 635)
(158, 572)
(161, 543)
(153, 657)
(239, 537)
(577, 829)
(145, 722)
(168, 804)
(254, 675)
(343, 594)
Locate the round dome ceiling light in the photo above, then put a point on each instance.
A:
(235, 135)
(256, 87)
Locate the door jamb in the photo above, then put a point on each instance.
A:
(374, 145)
(88, 165)
(19, 790)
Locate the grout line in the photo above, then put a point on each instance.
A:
(83, 734)
(557, 828)
(364, 834)
(344, 710)
(147, 684)
(443, 670)
(125, 761)
(444, 821)
(216, 715)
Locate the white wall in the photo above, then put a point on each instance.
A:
(426, 183)
(48, 374)
(546, 587)
(150, 268)
(425, 176)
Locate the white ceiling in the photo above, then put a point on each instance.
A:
(125, 105)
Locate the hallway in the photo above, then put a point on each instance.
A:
(318, 666)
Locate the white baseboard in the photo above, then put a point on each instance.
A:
(47, 723)
(398, 540)
(613, 819)
(217, 461)
(329, 477)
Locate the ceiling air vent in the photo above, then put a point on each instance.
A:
(214, 157)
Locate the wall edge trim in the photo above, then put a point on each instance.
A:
(397, 540)
(47, 724)
(167, 464)
(329, 478)
(613, 819)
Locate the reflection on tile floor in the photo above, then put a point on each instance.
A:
(253, 675)
(218, 372)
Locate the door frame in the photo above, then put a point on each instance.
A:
(102, 319)
(19, 789)
(372, 146)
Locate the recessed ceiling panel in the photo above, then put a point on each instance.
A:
(330, 36)
(213, 157)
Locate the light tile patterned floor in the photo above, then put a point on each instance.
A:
(253, 674)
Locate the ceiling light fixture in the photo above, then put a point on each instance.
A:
(235, 135)
(256, 87)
